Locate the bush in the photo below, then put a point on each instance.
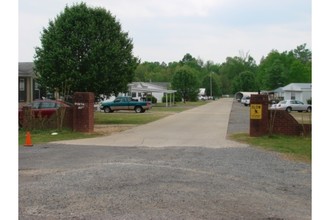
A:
(152, 98)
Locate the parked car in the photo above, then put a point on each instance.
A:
(246, 100)
(42, 108)
(292, 105)
(125, 103)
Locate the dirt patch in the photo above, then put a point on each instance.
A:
(110, 129)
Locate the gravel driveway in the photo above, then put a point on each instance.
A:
(60, 181)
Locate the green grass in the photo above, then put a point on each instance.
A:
(127, 117)
(44, 136)
(158, 111)
(293, 147)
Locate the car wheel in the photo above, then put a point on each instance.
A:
(138, 109)
(289, 109)
(107, 110)
(309, 109)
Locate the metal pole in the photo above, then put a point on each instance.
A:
(211, 84)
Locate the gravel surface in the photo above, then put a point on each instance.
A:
(239, 120)
(58, 181)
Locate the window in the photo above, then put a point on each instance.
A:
(293, 95)
(35, 105)
(47, 105)
(21, 84)
(21, 90)
(36, 90)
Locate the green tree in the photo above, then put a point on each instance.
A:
(271, 69)
(152, 72)
(85, 49)
(212, 81)
(275, 75)
(303, 54)
(245, 81)
(186, 83)
(279, 69)
(231, 69)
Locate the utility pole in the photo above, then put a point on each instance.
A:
(211, 84)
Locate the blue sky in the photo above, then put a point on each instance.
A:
(167, 30)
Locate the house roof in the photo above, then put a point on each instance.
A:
(297, 87)
(25, 69)
(278, 90)
(160, 87)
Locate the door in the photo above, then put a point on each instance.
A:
(120, 104)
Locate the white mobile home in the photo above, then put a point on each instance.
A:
(297, 91)
(158, 89)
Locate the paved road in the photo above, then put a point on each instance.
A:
(224, 181)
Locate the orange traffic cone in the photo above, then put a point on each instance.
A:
(28, 142)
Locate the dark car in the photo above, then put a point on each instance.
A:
(125, 103)
(42, 108)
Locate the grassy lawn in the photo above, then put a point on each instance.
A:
(158, 111)
(44, 136)
(121, 117)
(293, 147)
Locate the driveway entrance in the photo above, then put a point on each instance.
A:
(204, 126)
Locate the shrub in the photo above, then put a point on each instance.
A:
(152, 98)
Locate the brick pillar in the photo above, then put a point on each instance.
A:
(258, 115)
(83, 112)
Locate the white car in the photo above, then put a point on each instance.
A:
(246, 100)
(292, 105)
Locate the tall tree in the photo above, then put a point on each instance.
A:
(233, 67)
(245, 81)
(85, 49)
(279, 69)
(275, 75)
(186, 83)
(211, 83)
(271, 71)
(303, 54)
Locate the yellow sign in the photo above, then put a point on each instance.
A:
(255, 111)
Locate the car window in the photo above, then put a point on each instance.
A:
(292, 102)
(48, 105)
(282, 102)
(299, 102)
(35, 105)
